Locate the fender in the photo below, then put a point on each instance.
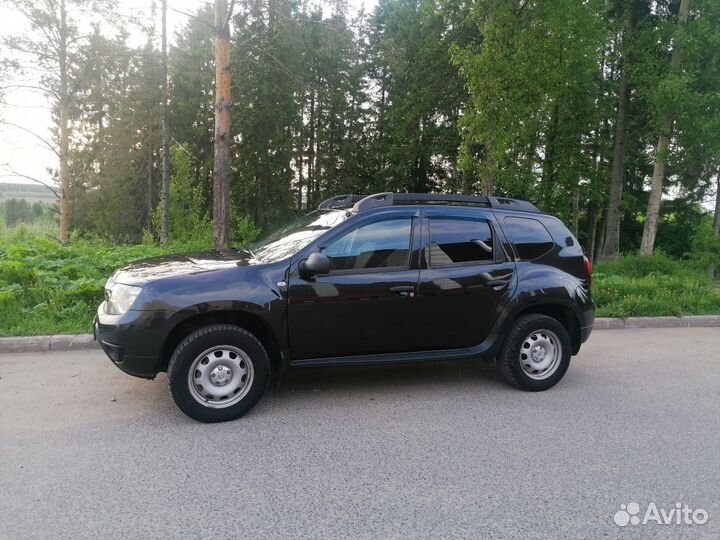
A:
(540, 285)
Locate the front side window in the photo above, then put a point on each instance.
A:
(382, 244)
(532, 240)
(457, 240)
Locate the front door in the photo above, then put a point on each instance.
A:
(465, 280)
(366, 304)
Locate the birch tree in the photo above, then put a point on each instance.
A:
(48, 50)
(656, 188)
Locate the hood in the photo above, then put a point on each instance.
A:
(146, 270)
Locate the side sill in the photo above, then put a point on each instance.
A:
(489, 347)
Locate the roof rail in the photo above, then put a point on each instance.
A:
(339, 202)
(373, 201)
(503, 203)
(392, 199)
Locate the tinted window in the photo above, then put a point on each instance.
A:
(458, 240)
(531, 238)
(381, 244)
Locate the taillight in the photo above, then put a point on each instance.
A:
(588, 270)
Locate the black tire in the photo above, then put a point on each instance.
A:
(192, 349)
(510, 363)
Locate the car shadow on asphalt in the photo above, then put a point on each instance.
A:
(382, 377)
(331, 385)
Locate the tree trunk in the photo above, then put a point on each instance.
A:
(548, 167)
(487, 184)
(64, 130)
(221, 172)
(652, 216)
(656, 188)
(716, 224)
(165, 187)
(149, 187)
(611, 237)
(716, 218)
(300, 156)
(575, 209)
(600, 242)
(591, 231)
(311, 155)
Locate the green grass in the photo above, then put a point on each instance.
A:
(48, 289)
(635, 286)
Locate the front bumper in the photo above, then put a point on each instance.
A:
(133, 341)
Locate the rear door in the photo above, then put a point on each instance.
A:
(465, 278)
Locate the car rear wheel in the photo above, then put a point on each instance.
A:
(536, 353)
(218, 373)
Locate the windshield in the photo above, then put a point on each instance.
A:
(290, 239)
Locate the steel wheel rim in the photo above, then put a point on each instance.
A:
(220, 376)
(540, 354)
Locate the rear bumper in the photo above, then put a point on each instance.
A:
(587, 320)
(131, 341)
(585, 333)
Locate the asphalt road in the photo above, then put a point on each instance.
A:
(422, 451)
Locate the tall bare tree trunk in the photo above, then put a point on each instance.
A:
(300, 178)
(64, 129)
(549, 167)
(487, 184)
(165, 185)
(611, 237)
(591, 231)
(656, 187)
(311, 154)
(221, 170)
(575, 210)
(716, 224)
(600, 242)
(149, 187)
(716, 218)
(300, 155)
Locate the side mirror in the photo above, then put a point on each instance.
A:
(316, 263)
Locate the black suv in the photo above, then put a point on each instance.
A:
(362, 280)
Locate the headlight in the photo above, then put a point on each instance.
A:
(119, 298)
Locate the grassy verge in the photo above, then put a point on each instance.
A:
(635, 286)
(46, 289)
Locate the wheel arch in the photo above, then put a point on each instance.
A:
(252, 322)
(560, 312)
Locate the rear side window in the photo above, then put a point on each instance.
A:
(457, 240)
(532, 240)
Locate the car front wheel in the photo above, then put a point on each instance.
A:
(536, 353)
(218, 373)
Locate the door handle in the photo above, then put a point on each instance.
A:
(404, 290)
(498, 282)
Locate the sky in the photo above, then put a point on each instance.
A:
(23, 153)
(20, 151)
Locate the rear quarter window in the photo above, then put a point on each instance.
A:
(530, 237)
